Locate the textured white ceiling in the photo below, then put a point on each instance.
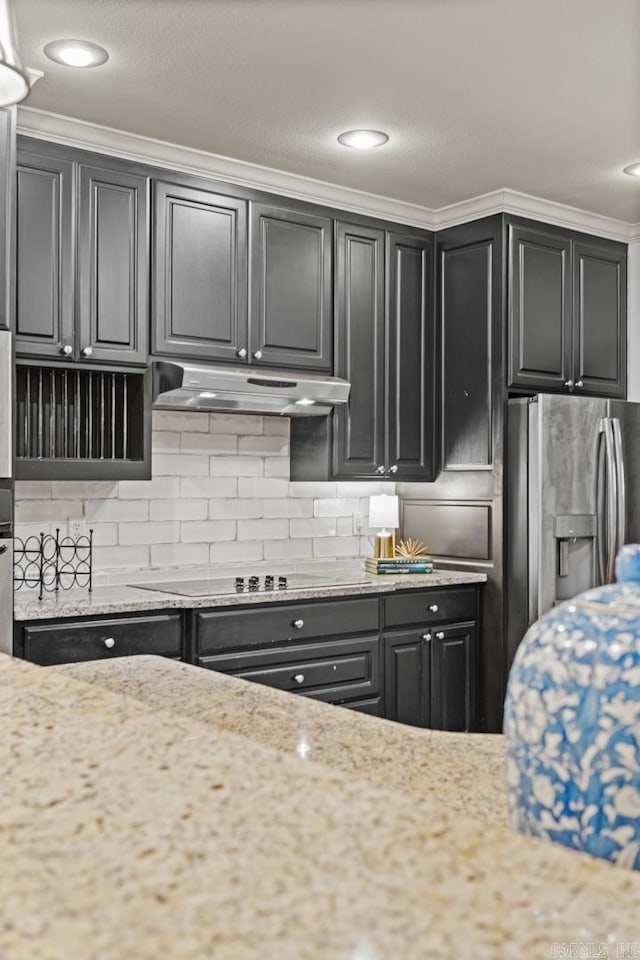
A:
(541, 96)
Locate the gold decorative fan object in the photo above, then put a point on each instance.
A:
(410, 548)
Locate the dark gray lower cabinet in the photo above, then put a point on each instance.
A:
(73, 641)
(331, 670)
(453, 672)
(430, 677)
(407, 671)
(410, 657)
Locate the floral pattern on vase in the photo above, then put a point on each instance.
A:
(572, 722)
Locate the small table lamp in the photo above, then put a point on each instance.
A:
(384, 512)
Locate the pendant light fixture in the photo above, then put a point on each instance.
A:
(14, 79)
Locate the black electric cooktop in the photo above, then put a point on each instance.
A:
(229, 586)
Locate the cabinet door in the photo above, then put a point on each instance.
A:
(113, 276)
(359, 428)
(600, 317)
(7, 160)
(411, 400)
(539, 309)
(291, 312)
(199, 274)
(44, 296)
(407, 677)
(453, 677)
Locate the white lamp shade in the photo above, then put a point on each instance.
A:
(384, 511)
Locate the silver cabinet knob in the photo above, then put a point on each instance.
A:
(569, 384)
(580, 384)
(298, 624)
(257, 355)
(67, 350)
(426, 637)
(242, 353)
(109, 643)
(298, 677)
(439, 635)
(433, 607)
(380, 469)
(394, 468)
(87, 351)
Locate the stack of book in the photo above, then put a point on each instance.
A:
(397, 565)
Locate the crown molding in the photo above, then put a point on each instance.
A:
(130, 146)
(536, 208)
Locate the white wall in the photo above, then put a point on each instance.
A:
(220, 493)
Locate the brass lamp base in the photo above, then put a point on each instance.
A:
(383, 545)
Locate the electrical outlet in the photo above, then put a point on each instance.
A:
(77, 528)
(360, 522)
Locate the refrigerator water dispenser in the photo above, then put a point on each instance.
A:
(575, 536)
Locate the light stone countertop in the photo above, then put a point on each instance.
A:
(139, 833)
(123, 598)
(465, 772)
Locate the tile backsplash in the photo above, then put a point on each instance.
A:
(220, 493)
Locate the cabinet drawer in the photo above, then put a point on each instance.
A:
(430, 606)
(48, 643)
(373, 707)
(277, 624)
(334, 671)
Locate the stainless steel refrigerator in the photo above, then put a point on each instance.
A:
(573, 499)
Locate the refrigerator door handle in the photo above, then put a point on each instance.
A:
(601, 530)
(607, 500)
(621, 524)
(612, 501)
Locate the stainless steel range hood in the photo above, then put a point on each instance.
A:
(245, 390)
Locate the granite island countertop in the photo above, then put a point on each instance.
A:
(465, 772)
(128, 598)
(134, 831)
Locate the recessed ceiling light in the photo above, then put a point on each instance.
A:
(363, 139)
(76, 53)
(633, 169)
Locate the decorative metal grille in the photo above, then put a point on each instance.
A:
(50, 563)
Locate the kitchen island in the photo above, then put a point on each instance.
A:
(130, 829)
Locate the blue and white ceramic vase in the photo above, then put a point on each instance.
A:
(572, 722)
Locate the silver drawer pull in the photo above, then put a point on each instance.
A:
(298, 677)
(433, 607)
(440, 635)
(426, 637)
(109, 643)
(298, 624)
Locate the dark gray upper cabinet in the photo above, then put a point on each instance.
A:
(539, 308)
(112, 265)
(411, 353)
(7, 160)
(291, 315)
(567, 312)
(199, 274)
(81, 262)
(44, 284)
(359, 426)
(599, 317)
(385, 347)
